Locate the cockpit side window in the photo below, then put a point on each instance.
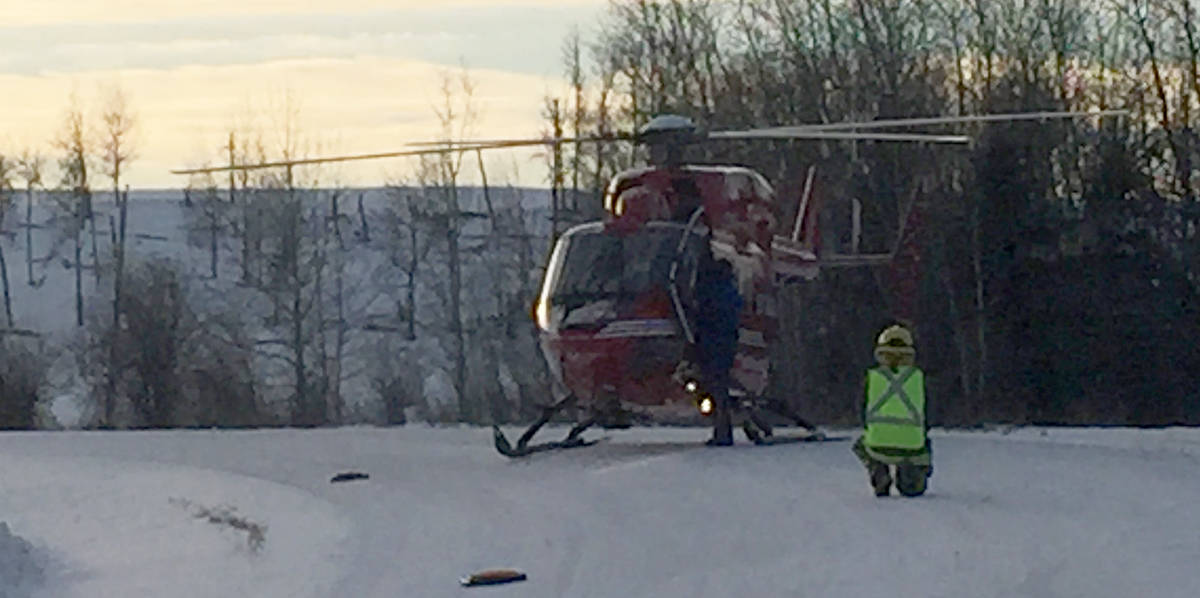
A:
(626, 269)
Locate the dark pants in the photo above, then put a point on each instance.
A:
(716, 382)
(911, 479)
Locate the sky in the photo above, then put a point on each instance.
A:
(362, 76)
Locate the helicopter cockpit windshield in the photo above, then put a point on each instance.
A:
(596, 277)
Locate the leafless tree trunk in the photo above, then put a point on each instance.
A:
(250, 149)
(362, 217)
(553, 114)
(30, 165)
(321, 258)
(79, 224)
(73, 142)
(402, 227)
(457, 114)
(603, 127)
(90, 209)
(281, 223)
(957, 324)
(29, 234)
(117, 151)
(573, 60)
(340, 339)
(981, 311)
(6, 189)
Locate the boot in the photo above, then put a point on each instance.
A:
(881, 479)
(911, 479)
(722, 427)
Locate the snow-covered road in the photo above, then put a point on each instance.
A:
(1093, 513)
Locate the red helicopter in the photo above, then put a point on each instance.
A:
(616, 313)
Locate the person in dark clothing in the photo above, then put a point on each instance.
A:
(719, 307)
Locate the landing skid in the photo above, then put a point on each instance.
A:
(523, 448)
(514, 452)
(760, 432)
(754, 425)
(760, 439)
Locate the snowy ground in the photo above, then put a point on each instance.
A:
(1088, 513)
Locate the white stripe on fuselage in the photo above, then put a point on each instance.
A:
(637, 328)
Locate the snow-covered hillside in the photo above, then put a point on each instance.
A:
(159, 225)
(651, 512)
(365, 261)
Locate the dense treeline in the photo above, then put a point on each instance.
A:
(1055, 274)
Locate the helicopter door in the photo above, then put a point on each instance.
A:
(688, 254)
(596, 277)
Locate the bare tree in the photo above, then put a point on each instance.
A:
(576, 71)
(552, 112)
(247, 146)
(293, 265)
(7, 170)
(406, 226)
(116, 148)
(117, 151)
(457, 115)
(204, 230)
(73, 142)
(291, 238)
(29, 167)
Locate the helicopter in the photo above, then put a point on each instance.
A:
(616, 313)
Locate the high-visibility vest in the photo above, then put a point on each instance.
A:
(895, 414)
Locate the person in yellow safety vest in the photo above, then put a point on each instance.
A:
(894, 418)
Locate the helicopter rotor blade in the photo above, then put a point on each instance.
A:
(806, 134)
(521, 142)
(348, 158)
(848, 130)
(937, 120)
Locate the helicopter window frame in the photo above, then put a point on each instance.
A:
(556, 295)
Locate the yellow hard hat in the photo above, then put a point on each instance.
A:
(895, 342)
(895, 336)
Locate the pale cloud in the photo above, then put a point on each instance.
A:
(75, 57)
(519, 38)
(346, 106)
(49, 12)
(365, 72)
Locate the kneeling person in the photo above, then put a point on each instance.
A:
(894, 418)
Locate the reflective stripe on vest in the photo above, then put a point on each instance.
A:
(895, 414)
